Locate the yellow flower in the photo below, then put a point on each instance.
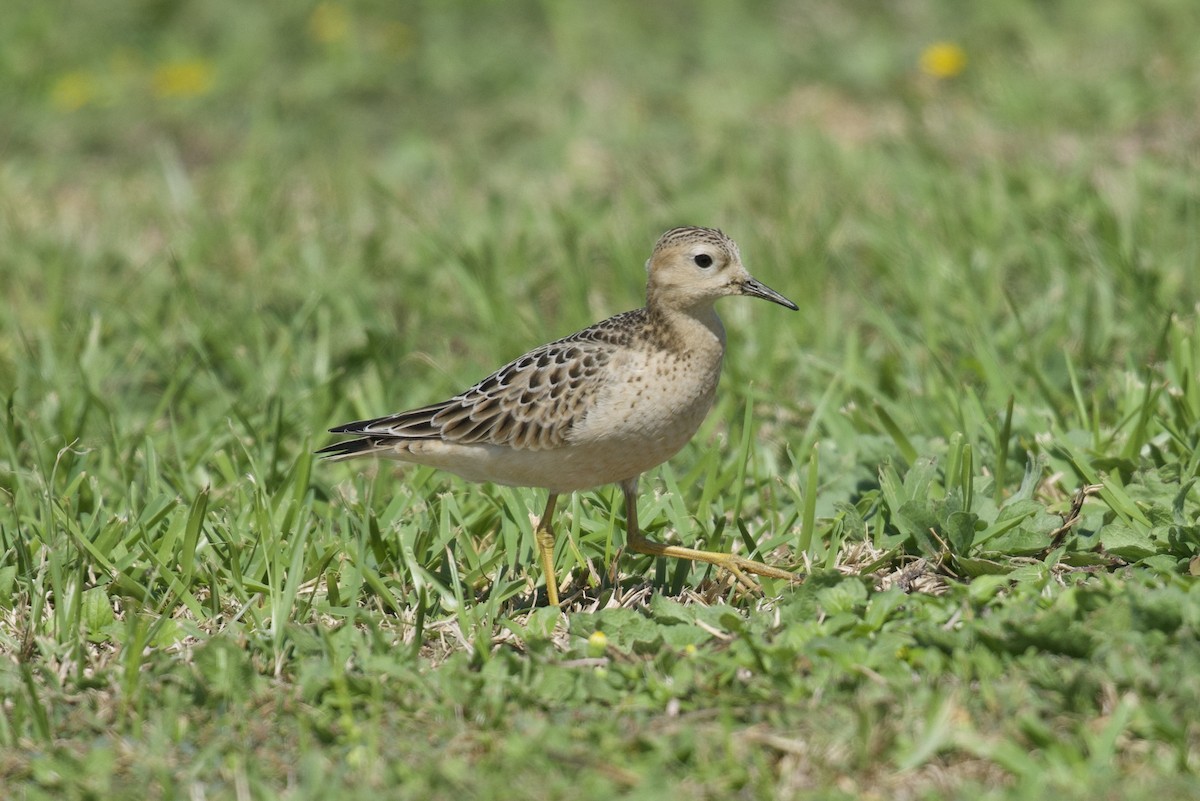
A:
(329, 23)
(73, 91)
(943, 60)
(597, 644)
(187, 78)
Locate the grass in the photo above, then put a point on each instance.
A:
(228, 227)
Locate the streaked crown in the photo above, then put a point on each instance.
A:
(690, 235)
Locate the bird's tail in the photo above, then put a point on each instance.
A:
(364, 446)
(383, 433)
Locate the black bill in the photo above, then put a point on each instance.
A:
(756, 289)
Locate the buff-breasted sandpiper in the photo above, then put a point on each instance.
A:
(601, 406)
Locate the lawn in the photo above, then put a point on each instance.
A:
(226, 227)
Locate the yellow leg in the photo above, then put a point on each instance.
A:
(736, 565)
(545, 545)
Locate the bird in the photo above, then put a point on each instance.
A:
(601, 406)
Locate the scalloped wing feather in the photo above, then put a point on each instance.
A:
(530, 403)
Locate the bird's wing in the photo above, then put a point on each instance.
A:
(530, 403)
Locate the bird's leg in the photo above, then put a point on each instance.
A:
(734, 564)
(545, 545)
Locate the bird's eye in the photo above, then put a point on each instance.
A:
(702, 260)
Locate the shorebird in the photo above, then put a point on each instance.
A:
(601, 406)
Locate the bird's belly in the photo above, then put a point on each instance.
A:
(563, 469)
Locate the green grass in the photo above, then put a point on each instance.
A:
(226, 227)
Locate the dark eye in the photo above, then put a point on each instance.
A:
(702, 260)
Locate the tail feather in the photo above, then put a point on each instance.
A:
(381, 433)
(363, 446)
(413, 424)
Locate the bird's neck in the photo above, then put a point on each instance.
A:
(692, 328)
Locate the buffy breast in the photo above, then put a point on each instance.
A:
(647, 417)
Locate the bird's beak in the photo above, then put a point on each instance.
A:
(756, 289)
